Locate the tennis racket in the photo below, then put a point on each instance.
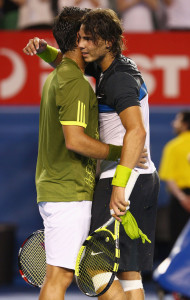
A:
(32, 259)
(98, 259)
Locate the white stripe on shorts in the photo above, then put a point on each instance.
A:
(66, 227)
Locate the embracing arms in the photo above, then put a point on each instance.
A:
(41, 48)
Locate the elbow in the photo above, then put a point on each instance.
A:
(71, 144)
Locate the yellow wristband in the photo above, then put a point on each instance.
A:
(121, 176)
(49, 55)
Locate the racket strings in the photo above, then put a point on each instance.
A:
(33, 259)
(97, 262)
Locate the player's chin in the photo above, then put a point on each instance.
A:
(87, 58)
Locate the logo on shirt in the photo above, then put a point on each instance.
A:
(81, 112)
(90, 173)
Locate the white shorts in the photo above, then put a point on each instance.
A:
(66, 228)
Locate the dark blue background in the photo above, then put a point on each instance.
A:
(18, 154)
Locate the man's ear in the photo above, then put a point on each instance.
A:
(184, 126)
(78, 39)
(108, 44)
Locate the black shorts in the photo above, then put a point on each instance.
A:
(135, 256)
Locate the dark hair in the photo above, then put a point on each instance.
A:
(66, 26)
(186, 118)
(104, 23)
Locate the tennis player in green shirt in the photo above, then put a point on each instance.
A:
(67, 153)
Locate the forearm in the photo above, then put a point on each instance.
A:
(175, 190)
(133, 145)
(76, 140)
(89, 147)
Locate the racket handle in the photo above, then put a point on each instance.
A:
(131, 183)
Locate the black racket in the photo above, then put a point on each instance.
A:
(32, 259)
(98, 259)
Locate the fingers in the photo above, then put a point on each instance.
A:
(119, 211)
(143, 159)
(32, 46)
(144, 153)
(114, 214)
(118, 203)
(121, 207)
(142, 165)
(35, 46)
(117, 218)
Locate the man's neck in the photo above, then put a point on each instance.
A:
(76, 56)
(106, 61)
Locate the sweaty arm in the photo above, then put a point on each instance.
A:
(134, 138)
(124, 96)
(76, 140)
(183, 198)
(133, 144)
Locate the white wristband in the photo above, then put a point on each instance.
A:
(112, 212)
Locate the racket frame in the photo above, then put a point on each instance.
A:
(19, 255)
(130, 185)
(115, 236)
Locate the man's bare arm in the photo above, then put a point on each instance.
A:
(134, 138)
(133, 144)
(36, 46)
(183, 198)
(76, 140)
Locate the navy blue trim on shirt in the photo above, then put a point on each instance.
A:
(143, 91)
(105, 108)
